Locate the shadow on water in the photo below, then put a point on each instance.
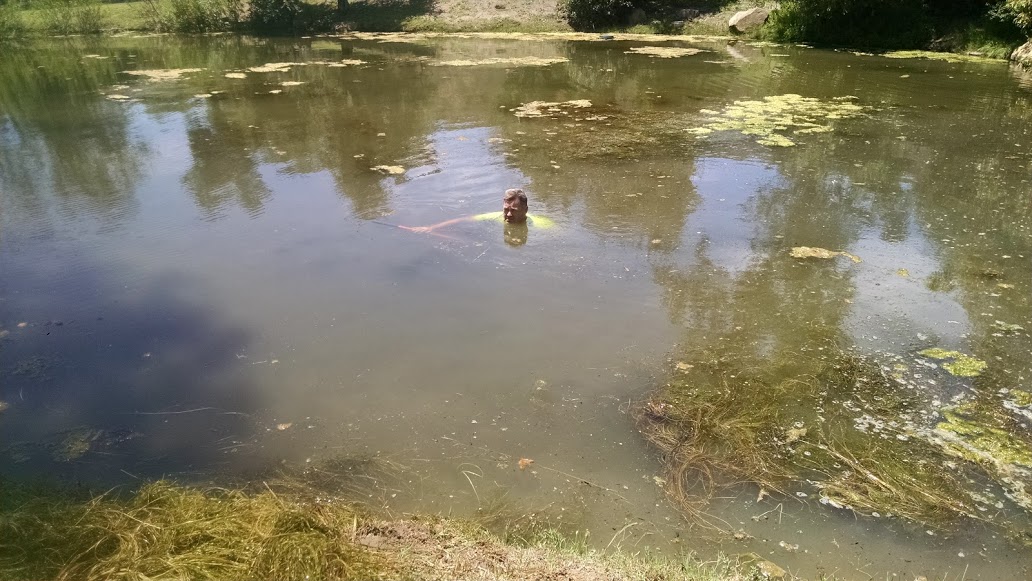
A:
(104, 379)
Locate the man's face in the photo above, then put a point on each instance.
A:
(514, 211)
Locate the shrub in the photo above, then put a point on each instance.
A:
(204, 15)
(270, 16)
(1017, 11)
(11, 23)
(595, 14)
(876, 23)
(72, 16)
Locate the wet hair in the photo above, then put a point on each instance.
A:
(515, 193)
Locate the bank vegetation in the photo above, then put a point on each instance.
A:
(987, 27)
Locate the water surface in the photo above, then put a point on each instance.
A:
(203, 279)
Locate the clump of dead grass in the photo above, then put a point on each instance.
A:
(165, 531)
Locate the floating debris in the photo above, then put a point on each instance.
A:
(523, 61)
(162, 74)
(764, 119)
(284, 426)
(814, 252)
(961, 365)
(4, 406)
(389, 169)
(549, 109)
(524, 462)
(666, 52)
(1007, 327)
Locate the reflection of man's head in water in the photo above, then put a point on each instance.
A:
(515, 206)
(516, 234)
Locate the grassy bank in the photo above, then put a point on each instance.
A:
(167, 531)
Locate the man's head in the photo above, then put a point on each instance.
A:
(514, 206)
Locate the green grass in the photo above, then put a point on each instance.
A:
(117, 17)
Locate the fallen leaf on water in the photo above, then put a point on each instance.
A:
(285, 426)
(763, 494)
(524, 462)
(903, 272)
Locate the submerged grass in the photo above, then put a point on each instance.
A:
(168, 531)
(842, 427)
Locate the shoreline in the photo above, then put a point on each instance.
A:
(443, 17)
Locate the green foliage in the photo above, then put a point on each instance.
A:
(273, 15)
(11, 23)
(204, 15)
(873, 23)
(290, 16)
(595, 14)
(72, 16)
(193, 15)
(1017, 11)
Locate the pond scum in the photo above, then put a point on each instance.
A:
(852, 433)
(768, 119)
(292, 528)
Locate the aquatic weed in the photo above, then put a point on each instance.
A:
(770, 118)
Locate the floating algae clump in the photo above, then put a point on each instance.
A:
(162, 74)
(939, 56)
(769, 118)
(525, 61)
(667, 52)
(998, 450)
(547, 109)
(983, 442)
(961, 365)
(814, 252)
(1021, 398)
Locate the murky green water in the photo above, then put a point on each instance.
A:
(199, 277)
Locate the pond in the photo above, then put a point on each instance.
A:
(203, 278)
